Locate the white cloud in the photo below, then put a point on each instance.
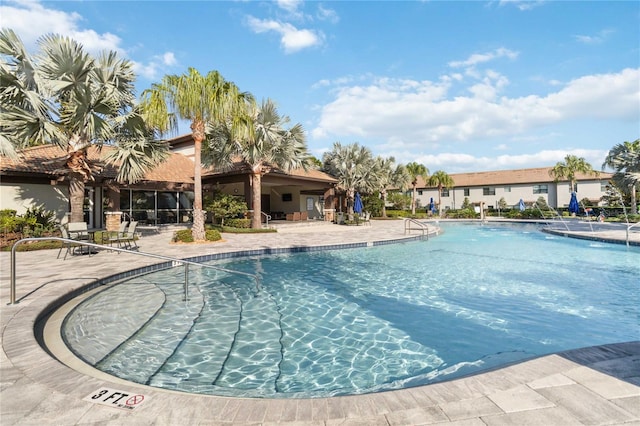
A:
(325, 14)
(291, 38)
(522, 4)
(599, 38)
(169, 58)
(289, 5)
(478, 58)
(459, 162)
(423, 113)
(31, 20)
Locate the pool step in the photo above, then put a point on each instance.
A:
(139, 357)
(231, 356)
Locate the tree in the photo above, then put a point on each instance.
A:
(568, 168)
(266, 145)
(386, 175)
(624, 158)
(65, 97)
(200, 99)
(352, 166)
(399, 200)
(223, 206)
(440, 179)
(414, 169)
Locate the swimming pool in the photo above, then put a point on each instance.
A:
(363, 320)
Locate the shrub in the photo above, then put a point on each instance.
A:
(186, 236)
(212, 235)
(42, 217)
(238, 223)
(8, 220)
(183, 236)
(468, 213)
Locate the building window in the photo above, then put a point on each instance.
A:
(445, 192)
(466, 192)
(419, 192)
(488, 191)
(507, 189)
(603, 186)
(575, 187)
(540, 189)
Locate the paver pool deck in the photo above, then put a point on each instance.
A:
(591, 386)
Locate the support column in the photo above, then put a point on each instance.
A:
(113, 220)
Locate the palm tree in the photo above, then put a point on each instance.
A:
(624, 158)
(386, 174)
(416, 170)
(267, 145)
(65, 97)
(202, 100)
(441, 180)
(352, 165)
(568, 168)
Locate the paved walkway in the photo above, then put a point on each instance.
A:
(595, 386)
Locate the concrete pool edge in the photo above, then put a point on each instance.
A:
(38, 389)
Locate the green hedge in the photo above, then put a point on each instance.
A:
(186, 236)
(238, 223)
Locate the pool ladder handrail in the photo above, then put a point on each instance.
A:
(421, 226)
(173, 261)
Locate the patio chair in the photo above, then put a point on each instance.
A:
(115, 236)
(129, 236)
(65, 244)
(80, 232)
(367, 218)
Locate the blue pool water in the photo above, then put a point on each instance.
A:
(363, 320)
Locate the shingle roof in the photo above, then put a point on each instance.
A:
(508, 177)
(47, 159)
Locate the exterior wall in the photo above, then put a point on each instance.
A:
(278, 205)
(558, 194)
(21, 197)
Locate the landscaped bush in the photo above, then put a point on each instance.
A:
(183, 236)
(8, 220)
(468, 213)
(212, 235)
(186, 236)
(238, 223)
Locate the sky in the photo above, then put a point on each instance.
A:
(459, 86)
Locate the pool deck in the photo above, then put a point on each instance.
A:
(594, 386)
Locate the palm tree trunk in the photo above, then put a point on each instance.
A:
(634, 202)
(197, 229)
(256, 200)
(76, 197)
(384, 203)
(440, 200)
(413, 200)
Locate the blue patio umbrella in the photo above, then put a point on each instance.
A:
(521, 205)
(574, 207)
(432, 206)
(357, 203)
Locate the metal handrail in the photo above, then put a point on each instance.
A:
(174, 260)
(422, 226)
(629, 226)
(267, 218)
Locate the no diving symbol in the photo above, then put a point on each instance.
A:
(135, 400)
